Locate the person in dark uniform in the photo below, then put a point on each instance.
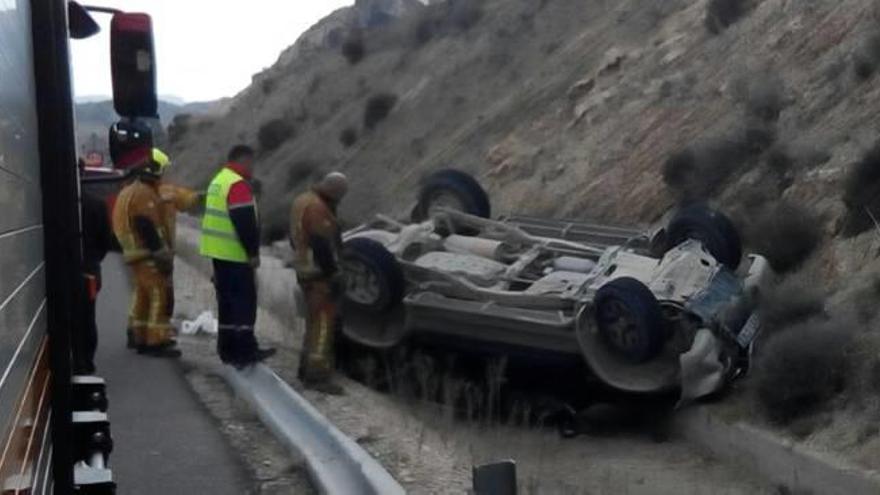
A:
(97, 239)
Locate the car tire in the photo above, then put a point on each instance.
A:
(643, 336)
(717, 233)
(450, 183)
(374, 279)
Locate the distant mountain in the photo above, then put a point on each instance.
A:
(95, 115)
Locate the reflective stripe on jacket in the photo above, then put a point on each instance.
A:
(219, 238)
(137, 199)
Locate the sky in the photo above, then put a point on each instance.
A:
(205, 49)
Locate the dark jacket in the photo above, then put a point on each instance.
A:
(97, 235)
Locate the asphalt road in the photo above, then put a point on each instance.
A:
(166, 443)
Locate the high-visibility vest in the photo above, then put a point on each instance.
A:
(219, 238)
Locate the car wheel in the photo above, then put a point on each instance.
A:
(373, 279)
(629, 319)
(452, 189)
(717, 233)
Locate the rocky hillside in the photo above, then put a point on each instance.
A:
(574, 105)
(612, 111)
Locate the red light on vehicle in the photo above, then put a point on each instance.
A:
(129, 22)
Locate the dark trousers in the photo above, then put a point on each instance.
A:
(84, 342)
(236, 288)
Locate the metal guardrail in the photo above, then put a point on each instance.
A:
(337, 464)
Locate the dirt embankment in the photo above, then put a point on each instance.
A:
(616, 111)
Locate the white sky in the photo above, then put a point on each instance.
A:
(205, 49)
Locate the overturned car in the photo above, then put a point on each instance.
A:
(647, 311)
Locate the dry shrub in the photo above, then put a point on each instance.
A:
(865, 299)
(378, 108)
(428, 25)
(700, 172)
(794, 301)
(445, 18)
(765, 97)
(861, 193)
(274, 133)
(275, 223)
(867, 57)
(354, 49)
(785, 234)
(300, 171)
(465, 14)
(803, 368)
(348, 137)
(721, 14)
(267, 85)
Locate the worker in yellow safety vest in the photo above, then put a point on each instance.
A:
(137, 223)
(231, 239)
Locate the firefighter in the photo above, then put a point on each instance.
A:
(137, 223)
(316, 239)
(174, 199)
(231, 238)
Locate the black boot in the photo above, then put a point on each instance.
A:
(261, 355)
(160, 351)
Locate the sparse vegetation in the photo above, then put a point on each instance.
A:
(795, 300)
(867, 57)
(700, 172)
(764, 96)
(348, 137)
(426, 27)
(721, 14)
(274, 133)
(861, 194)
(267, 85)
(465, 14)
(803, 368)
(378, 108)
(444, 18)
(354, 48)
(784, 233)
(275, 223)
(300, 171)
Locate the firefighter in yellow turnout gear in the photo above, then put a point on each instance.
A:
(316, 240)
(138, 225)
(174, 199)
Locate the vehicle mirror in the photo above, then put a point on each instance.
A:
(133, 65)
(80, 22)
